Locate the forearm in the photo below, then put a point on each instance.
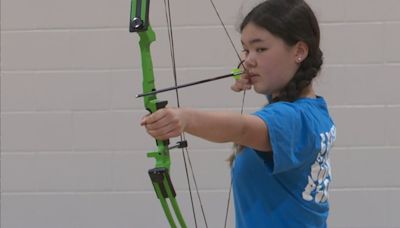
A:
(246, 130)
(215, 126)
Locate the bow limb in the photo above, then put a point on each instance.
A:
(139, 23)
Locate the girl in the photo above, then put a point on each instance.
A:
(282, 173)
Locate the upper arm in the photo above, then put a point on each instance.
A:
(255, 134)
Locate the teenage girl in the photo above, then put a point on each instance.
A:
(281, 174)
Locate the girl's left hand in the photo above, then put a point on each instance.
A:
(164, 123)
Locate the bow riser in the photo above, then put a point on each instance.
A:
(151, 103)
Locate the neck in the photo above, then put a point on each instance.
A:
(307, 92)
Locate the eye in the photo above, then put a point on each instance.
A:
(259, 50)
(245, 51)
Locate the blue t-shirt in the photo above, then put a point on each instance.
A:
(287, 187)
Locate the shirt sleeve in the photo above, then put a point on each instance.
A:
(292, 141)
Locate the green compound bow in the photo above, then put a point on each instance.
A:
(139, 23)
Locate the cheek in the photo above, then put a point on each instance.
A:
(281, 67)
(278, 71)
(273, 68)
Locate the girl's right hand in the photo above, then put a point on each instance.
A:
(241, 84)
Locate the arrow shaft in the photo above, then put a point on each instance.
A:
(186, 85)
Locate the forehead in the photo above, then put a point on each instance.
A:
(252, 34)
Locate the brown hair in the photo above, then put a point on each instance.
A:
(292, 21)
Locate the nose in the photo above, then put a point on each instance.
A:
(249, 61)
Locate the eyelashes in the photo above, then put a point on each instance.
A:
(257, 50)
(260, 50)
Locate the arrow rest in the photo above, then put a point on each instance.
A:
(179, 145)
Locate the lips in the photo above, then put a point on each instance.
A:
(252, 77)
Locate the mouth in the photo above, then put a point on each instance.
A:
(252, 77)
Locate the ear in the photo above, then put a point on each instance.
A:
(300, 51)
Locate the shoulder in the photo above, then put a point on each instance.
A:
(279, 110)
(306, 114)
(278, 107)
(300, 106)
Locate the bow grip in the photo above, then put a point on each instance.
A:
(153, 105)
(157, 105)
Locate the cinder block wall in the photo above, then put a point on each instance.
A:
(73, 153)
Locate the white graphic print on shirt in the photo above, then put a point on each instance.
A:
(320, 176)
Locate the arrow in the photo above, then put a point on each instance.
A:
(235, 73)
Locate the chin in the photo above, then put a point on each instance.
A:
(261, 91)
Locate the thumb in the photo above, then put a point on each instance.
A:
(144, 120)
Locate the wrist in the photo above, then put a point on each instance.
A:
(185, 116)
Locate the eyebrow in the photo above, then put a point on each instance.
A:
(253, 41)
